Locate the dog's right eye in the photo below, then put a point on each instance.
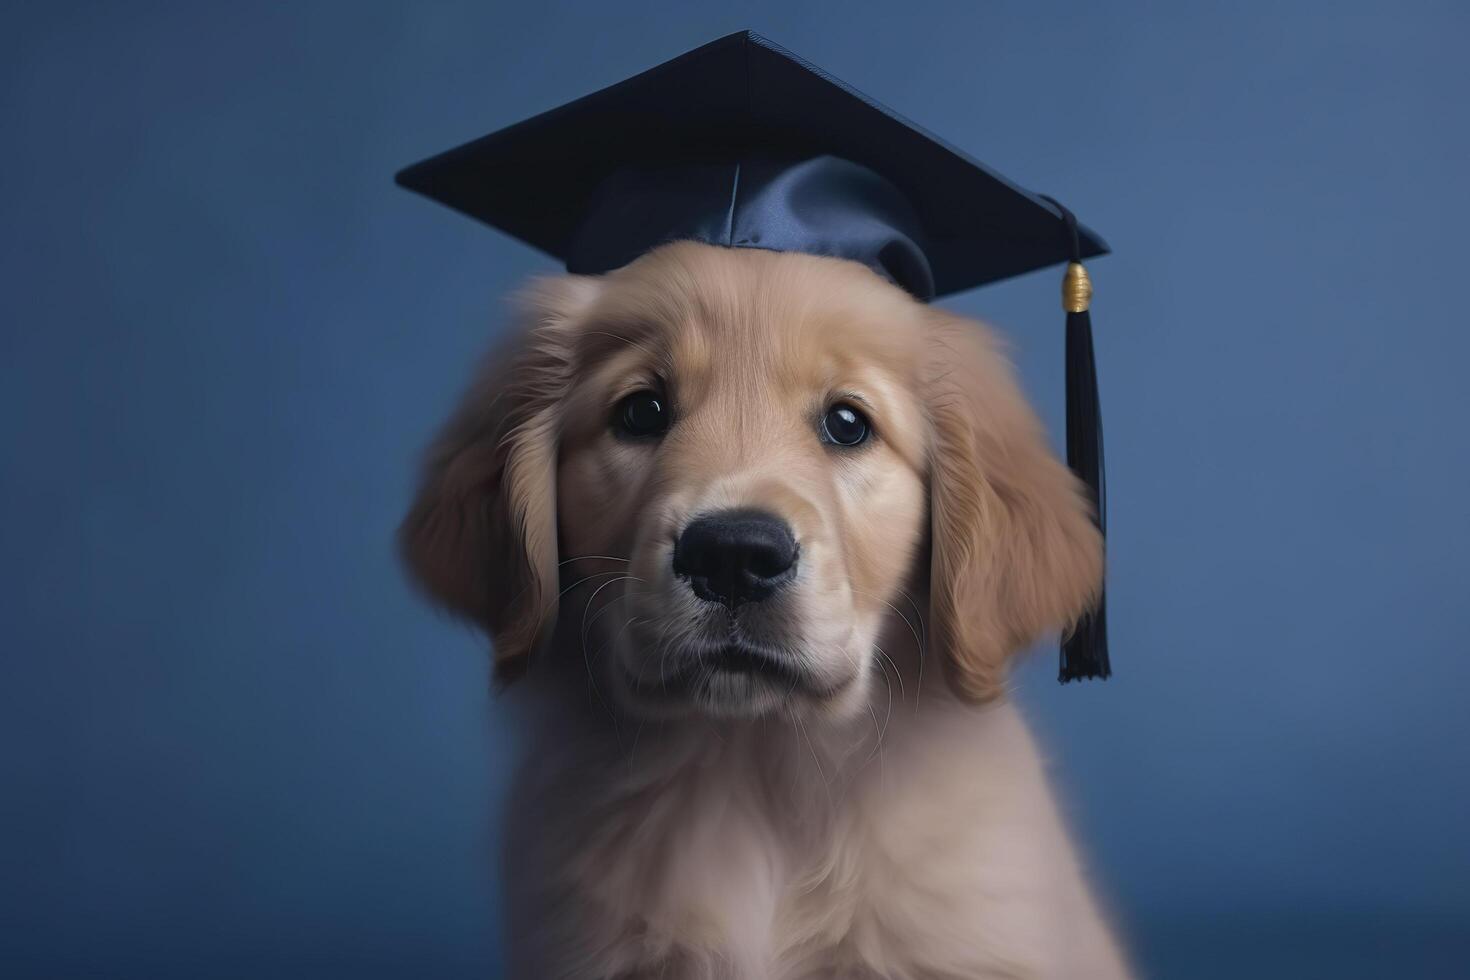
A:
(641, 414)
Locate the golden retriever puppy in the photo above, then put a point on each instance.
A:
(755, 534)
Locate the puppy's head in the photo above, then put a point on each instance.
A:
(711, 475)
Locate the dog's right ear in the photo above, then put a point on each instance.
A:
(481, 535)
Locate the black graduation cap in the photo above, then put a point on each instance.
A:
(743, 144)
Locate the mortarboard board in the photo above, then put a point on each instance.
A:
(741, 143)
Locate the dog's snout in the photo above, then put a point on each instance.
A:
(736, 556)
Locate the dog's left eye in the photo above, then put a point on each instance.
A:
(641, 414)
(844, 425)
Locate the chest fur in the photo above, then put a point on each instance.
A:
(740, 861)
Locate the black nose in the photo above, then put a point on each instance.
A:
(736, 556)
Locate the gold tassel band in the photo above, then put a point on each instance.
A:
(1076, 289)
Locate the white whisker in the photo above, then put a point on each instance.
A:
(568, 561)
(896, 674)
(877, 749)
(587, 659)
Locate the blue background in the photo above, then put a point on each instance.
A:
(234, 743)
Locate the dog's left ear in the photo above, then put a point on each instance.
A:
(481, 536)
(1015, 553)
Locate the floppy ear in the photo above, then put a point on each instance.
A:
(481, 534)
(1015, 553)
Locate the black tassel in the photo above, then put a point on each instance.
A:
(1085, 648)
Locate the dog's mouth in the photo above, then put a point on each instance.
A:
(730, 675)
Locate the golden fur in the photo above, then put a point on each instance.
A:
(867, 821)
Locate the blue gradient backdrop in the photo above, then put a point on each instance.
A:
(234, 744)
